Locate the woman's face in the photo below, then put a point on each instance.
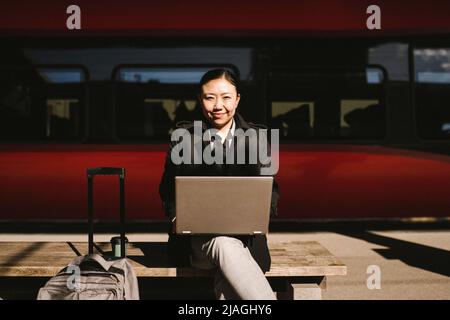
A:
(219, 100)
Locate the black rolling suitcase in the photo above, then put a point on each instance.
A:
(91, 173)
(94, 277)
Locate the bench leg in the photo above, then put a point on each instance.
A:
(304, 291)
(299, 288)
(301, 291)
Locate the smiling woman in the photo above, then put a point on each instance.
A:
(240, 261)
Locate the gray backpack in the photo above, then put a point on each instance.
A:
(91, 277)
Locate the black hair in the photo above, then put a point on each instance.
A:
(213, 74)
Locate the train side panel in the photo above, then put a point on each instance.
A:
(316, 181)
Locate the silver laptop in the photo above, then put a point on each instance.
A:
(223, 205)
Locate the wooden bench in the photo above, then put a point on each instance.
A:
(299, 269)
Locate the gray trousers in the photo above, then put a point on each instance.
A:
(238, 275)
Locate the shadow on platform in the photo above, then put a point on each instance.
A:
(413, 254)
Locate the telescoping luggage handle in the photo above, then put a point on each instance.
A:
(91, 172)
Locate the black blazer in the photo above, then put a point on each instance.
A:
(179, 246)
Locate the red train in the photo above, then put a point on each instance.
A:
(364, 115)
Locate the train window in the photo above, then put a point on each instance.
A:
(362, 119)
(149, 101)
(161, 75)
(328, 104)
(42, 104)
(432, 92)
(62, 75)
(394, 57)
(155, 118)
(293, 118)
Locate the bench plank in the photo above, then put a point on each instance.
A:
(45, 259)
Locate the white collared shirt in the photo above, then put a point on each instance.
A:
(229, 136)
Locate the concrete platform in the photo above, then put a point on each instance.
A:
(413, 264)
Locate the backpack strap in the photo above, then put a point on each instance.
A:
(106, 265)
